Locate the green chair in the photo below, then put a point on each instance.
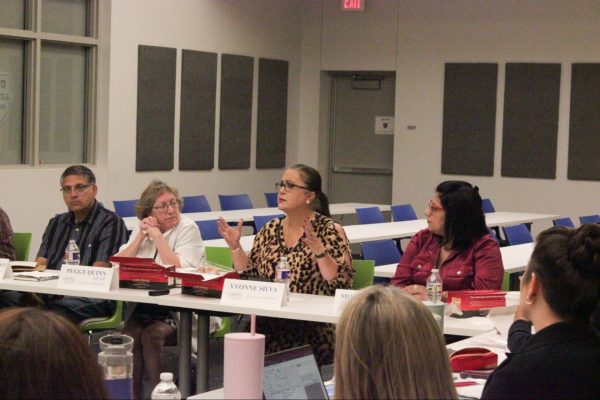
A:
(505, 282)
(364, 272)
(219, 257)
(22, 243)
(103, 323)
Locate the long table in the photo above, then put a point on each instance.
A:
(302, 307)
(514, 259)
(404, 229)
(248, 214)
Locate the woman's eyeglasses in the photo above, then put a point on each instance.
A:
(431, 207)
(288, 185)
(174, 204)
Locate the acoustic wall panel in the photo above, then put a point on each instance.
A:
(236, 111)
(529, 138)
(198, 101)
(272, 113)
(155, 108)
(584, 125)
(469, 119)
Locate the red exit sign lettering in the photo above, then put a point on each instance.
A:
(353, 5)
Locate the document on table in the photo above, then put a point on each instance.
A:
(36, 276)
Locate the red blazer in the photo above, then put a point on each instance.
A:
(479, 267)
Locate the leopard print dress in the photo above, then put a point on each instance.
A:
(269, 246)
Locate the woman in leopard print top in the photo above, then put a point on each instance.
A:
(316, 252)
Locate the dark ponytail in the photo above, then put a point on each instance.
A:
(312, 180)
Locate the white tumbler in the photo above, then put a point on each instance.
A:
(244, 361)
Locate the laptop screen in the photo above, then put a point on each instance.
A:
(293, 374)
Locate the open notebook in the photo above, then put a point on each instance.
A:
(293, 374)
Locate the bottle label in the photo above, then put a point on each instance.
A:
(434, 292)
(71, 257)
(282, 274)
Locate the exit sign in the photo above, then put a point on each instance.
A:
(353, 5)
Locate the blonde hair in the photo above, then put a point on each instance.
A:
(388, 346)
(143, 207)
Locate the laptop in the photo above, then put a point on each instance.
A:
(293, 374)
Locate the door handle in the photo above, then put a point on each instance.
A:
(362, 170)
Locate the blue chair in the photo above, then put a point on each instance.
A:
(381, 251)
(517, 234)
(487, 206)
(589, 219)
(195, 204)
(235, 202)
(403, 212)
(209, 229)
(564, 222)
(369, 215)
(261, 220)
(271, 199)
(125, 208)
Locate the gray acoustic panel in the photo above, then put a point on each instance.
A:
(155, 108)
(198, 102)
(469, 125)
(272, 113)
(584, 125)
(236, 111)
(529, 139)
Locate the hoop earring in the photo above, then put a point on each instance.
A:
(307, 201)
(529, 300)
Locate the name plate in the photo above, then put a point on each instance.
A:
(342, 296)
(265, 295)
(83, 277)
(5, 268)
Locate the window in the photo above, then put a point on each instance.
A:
(48, 64)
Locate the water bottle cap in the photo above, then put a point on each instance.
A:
(435, 270)
(166, 376)
(283, 258)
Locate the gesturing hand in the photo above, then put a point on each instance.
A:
(312, 241)
(231, 235)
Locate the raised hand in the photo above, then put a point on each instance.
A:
(230, 234)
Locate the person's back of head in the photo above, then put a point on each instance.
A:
(43, 355)
(388, 345)
(567, 264)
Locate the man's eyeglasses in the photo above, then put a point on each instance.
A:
(77, 188)
(288, 185)
(174, 204)
(431, 207)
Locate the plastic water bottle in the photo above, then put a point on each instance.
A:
(166, 388)
(434, 286)
(72, 253)
(282, 275)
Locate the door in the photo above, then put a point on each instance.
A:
(361, 154)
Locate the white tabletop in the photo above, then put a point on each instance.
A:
(402, 229)
(514, 259)
(248, 214)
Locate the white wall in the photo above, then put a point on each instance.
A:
(431, 33)
(258, 28)
(413, 37)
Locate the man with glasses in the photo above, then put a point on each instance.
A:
(98, 232)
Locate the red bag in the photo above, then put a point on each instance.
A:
(473, 358)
